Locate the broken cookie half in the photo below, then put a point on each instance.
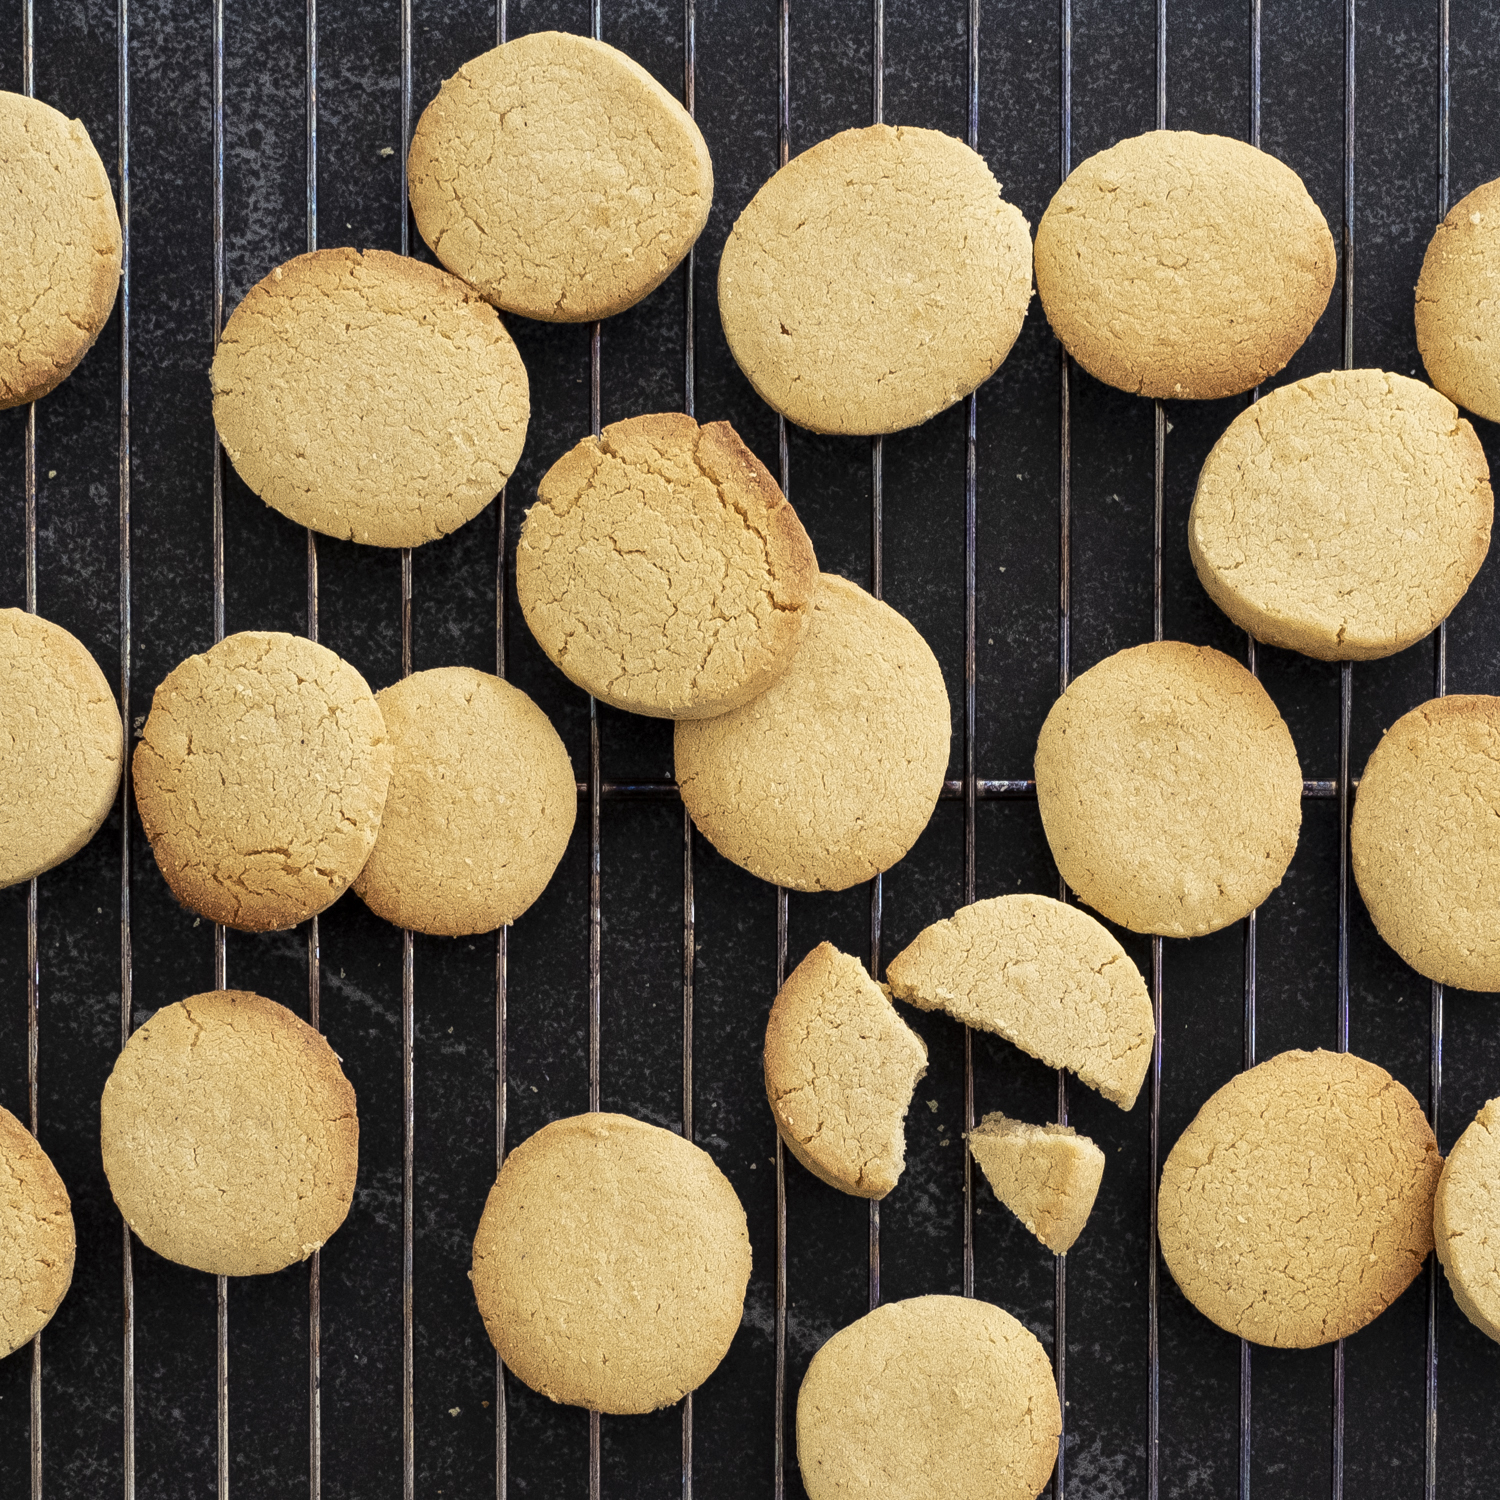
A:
(1047, 1175)
(1045, 976)
(841, 1066)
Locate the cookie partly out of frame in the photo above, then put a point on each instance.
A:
(1466, 1220)
(1183, 266)
(37, 1242)
(1458, 303)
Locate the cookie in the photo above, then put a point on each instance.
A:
(1183, 266)
(370, 397)
(662, 570)
(611, 1264)
(876, 279)
(229, 1135)
(1466, 1220)
(1169, 789)
(1046, 977)
(61, 746)
(36, 1235)
(1047, 1175)
(559, 177)
(1458, 312)
(59, 244)
(1298, 1204)
(1424, 841)
(934, 1396)
(260, 779)
(829, 776)
(840, 1069)
(481, 802)
(1342, 516)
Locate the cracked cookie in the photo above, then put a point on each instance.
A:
(1047, 1175)
(1183, 266)
(840, 1069)
(1298, 1204)
(260, 779)
(933, 1396)
(59, 244)
(1424, 841)
(229, 1134)
(559, 177)
(36, 1236)
(370, 397)
(62, 746)
(1043, 975)
(1169, 789)
(1342, 516)
(1466, 1220)
(662, 570)
(611, 1264)
(1458, 312)
(480, 804)
(876, 279)
(830, 775)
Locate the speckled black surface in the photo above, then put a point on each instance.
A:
(172, 458)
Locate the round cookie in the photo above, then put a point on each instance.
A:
(662, 570)
(370, 397)
(36, 1236)
(840, 1067)
(229, 1135)
(59, 244)
(260, 779)
(1466, 1220)
(829, 776)
(559, 177)
(931, 1397)
(1342, 516)
(876, 279)
(1458, 303)
(611, 1263)
(61, 746)
(481, 802)
(1298, 1204)
(1425, 840)
(1169, 789)
(1183, 266)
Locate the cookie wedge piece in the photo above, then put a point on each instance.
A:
(840, 1069)
(1047, 1175)
(1045, 976)
(1466, 1220)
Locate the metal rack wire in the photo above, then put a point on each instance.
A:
(970, 788)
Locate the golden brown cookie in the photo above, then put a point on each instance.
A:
(61, 746)
(1425, 840)
(876, 279)
(1047, 1175)
(229, 1135)
(370, 396)
(934, 1396)
(1169, 789)
(36, 1236)
(611, 1263)
(829, 776)
(1466, 1220)
(840, 1069)
(559, 177)
(662, 570)
(1342, 516)
(1045, 976)
(260, 779)
(1458, 303)
(1180, 265)
(1298, 1204)
(59, 244)
(481, 802)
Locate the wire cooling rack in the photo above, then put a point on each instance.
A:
(1036, 528)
